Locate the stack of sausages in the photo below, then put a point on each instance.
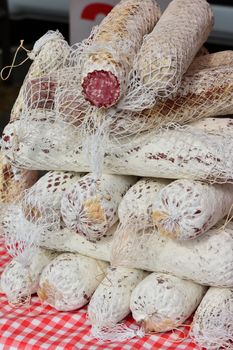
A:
(151, 234)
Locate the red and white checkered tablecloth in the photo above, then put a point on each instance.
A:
(41, 327)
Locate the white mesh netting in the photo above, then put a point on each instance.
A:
(110, 303)
(212, 327)
(13, 181)
(167, 52)
(196, 260)
(52, 44)
(203, 93)
(186, 209)
(63, 113)
(162, 302)
(198, 151)
(153, 89)
(90, 206)
(43, 200)
(109, 58)
(213, 60)
(135, 209)
(52, 94)
(19, 282)
(52, 91)
(36, 214)
(22, 234)
(69, 281)
(136, 206)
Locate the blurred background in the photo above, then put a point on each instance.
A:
(30, 19)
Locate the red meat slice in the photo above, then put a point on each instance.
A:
(101, 88)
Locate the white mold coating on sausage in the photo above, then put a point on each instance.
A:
(70, 280)
(212, 326)
(206, 260)
(196, 151)
(136, 206)
(90, 206)
(163, 302)
(185, 209)
(18, 282)
(110, 303)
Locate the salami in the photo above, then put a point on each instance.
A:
(206, 260)
(90, 206)
(186, 209)
(18, 282)
(135, 209)
(167, 52)
(205, 91)
(23, 236)
(200, 151)
(110, 56)
(48, 55)
(70, 106)
(43, 199)
(110, 303)
(162, 302)
(212, 326)
(70, 280)
(101, 88)
(213, 60)
(13, 182)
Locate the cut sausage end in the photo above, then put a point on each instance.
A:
(101, 88)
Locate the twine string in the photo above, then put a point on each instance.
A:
(13, 65)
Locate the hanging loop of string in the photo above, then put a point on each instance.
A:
(13, 65)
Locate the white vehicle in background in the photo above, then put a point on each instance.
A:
(83, 14)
